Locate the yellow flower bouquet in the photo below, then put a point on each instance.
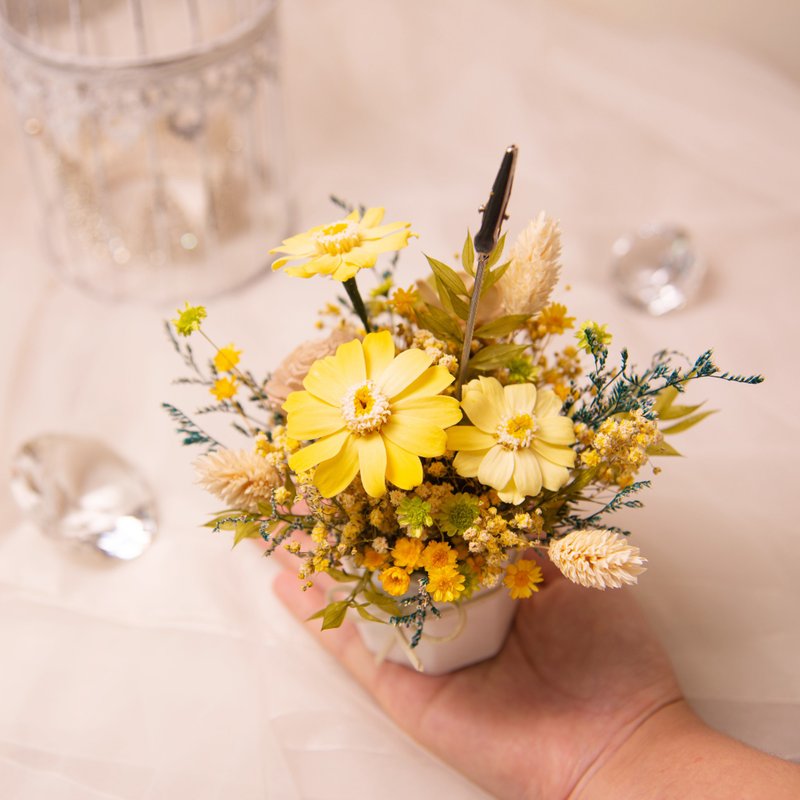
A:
(443, 437)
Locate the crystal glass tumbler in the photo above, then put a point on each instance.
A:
(154, 131)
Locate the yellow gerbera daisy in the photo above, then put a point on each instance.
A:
(340, 249)
(446, 585)
(523, 578)
(519, 442)
(371, 413)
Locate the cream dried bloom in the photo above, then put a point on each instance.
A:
(288, 377)
(240, 478)
(597, 559)
(533, 272)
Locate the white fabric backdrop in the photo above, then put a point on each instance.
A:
(179, 675)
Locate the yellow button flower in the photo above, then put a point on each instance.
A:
(519, 442)
(340, 249)
(372, 413)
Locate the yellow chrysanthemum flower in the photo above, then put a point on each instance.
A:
(340, 249)
(224, 389)
(438, 555)
(372, 559)
(394, 580)
(446, 585)
(406, 553)
(226, 358)
(372, 413)
(522, 578)
(519, 442)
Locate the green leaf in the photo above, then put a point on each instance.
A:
(495, 356)
(448, 277)
(662, 449)
(367, 616)
(245, 530)
(461, 307)
(494, 257)
(676, 412)
(450, 301)
(468, 255)
(501, 326)
(332, 615)
(491, 278)
(664, 399)
(220, 516)
(439, 323)
(340, 575)
(688, 422)
(383, 602)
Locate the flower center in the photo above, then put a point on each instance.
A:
(365, 409)
(516, 431)
(338, 238)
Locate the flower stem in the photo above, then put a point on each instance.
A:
(358, 304)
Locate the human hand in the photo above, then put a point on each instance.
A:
(579, 673)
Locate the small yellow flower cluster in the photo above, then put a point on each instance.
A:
(560, 372)
(403, 301)
(619, 447)
(436, 349)
(552, 319)
(491, 537)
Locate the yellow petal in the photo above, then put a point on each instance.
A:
(336, 474)
(482, 412)
(520, 398)
(309, 418)
(325, 380)
(497, 467)
(467, 437)
(511, 493)
(378, 353)
(556, 430)
(318, 265)
(563, 456)
(403, 469)
(297, 246)
(467, 463)
(441, 411)
(372, 464)
(403, 371)
(416, 436)
(321, 450)
(383, 230)
(372, 217)
(350, 363)
(394, 241)
(553, 476)
(431, 382)
(527, 474)
(547, 403)
(353, 216)
(352, 263)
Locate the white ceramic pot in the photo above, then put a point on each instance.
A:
(465, 634)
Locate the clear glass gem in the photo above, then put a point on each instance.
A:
(657, 268)
(78, 490)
